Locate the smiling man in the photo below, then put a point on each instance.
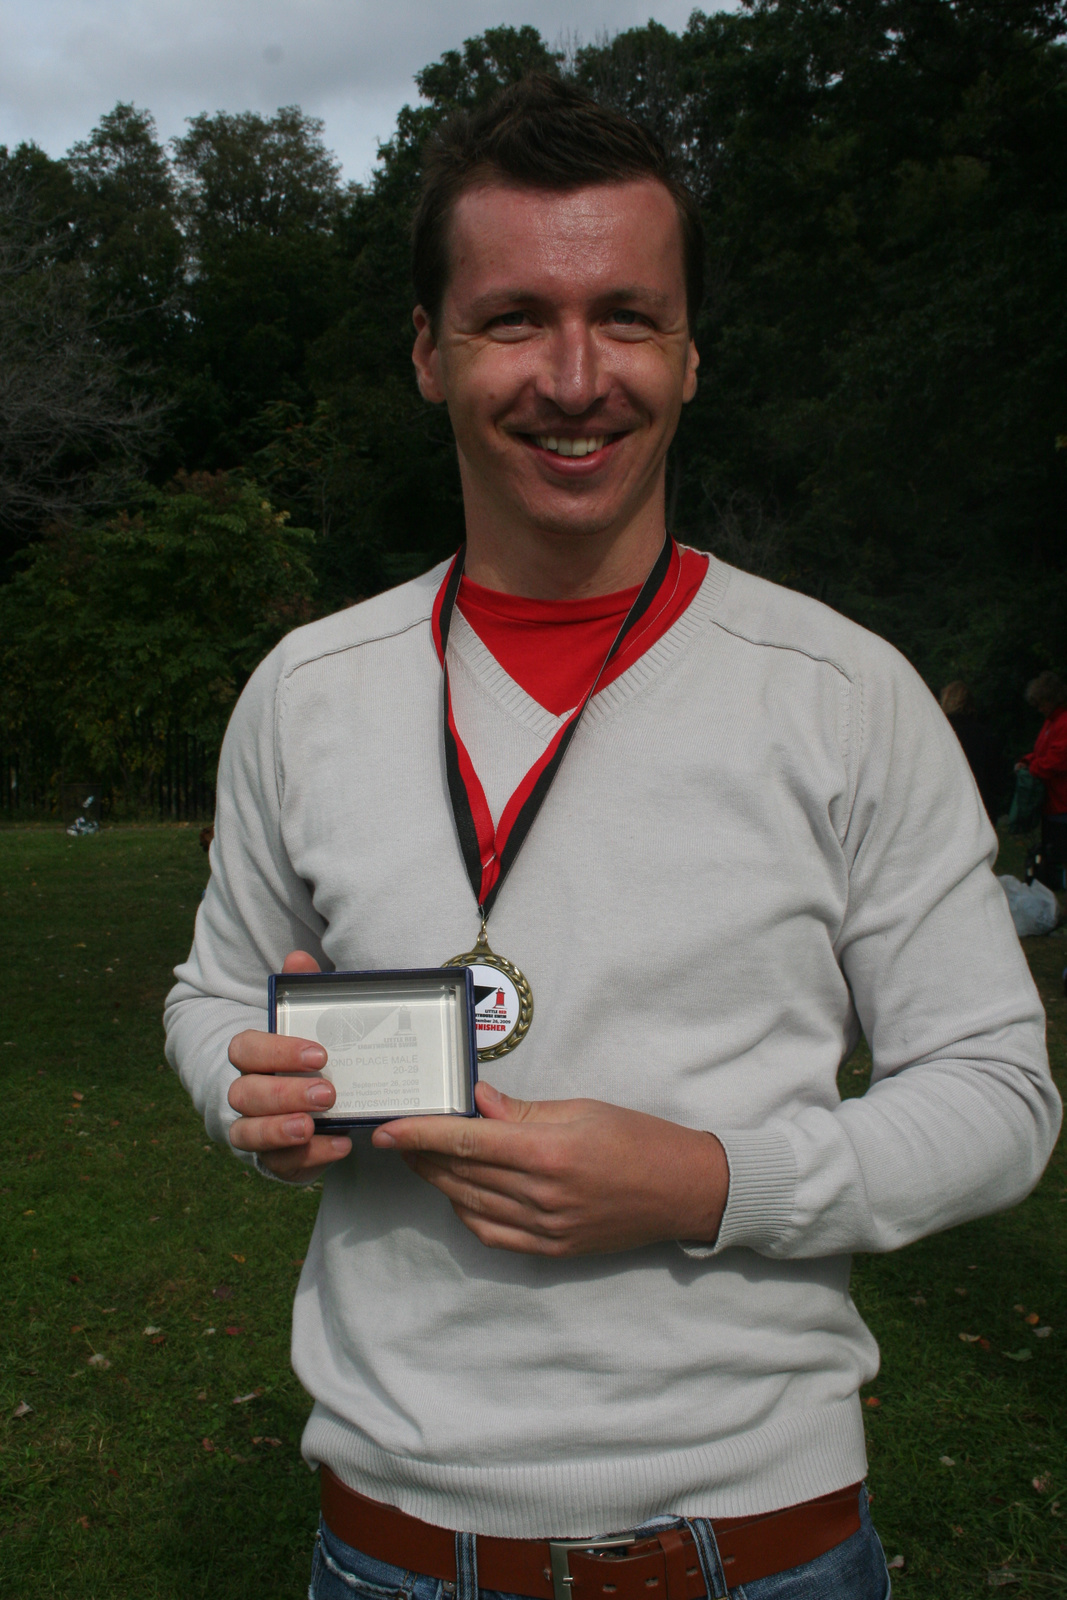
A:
(599, 1341)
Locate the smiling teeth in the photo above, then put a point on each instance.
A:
(572, 447)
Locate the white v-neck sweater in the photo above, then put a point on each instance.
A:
(763, 838)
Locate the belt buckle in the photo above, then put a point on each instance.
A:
(560, 1551)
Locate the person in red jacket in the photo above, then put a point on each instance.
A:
(1048, 759)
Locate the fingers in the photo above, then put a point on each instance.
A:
(260, 1134)
(254, 1051)
(307, 1160)
(263, 1095)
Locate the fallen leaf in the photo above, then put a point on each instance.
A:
(153, 1219)
(1033, 1318)
(33, 1214)
(160, 1338)
(22, 1409)
(872, 1401)
(1002, 1576)
(83, 1522)
(918, 1299)
(984, 1344)
(241, 1259)
(896, 1564)
(99, 1361)
(298, 1261)
(206, 1332)
(208, 1446)
(74, 1278)
(1043, 1333)
(233, 1332)
(151, 1329)
(970, 1338)
(201, 1394)
(77, 1328)
(1019, 1309)
(109, 1311)
(222, 1292)
(1054, 1509)
(962, 1292)
(76, 1096)
(947, 1461)
(1042, 1484)
(957, 1530)
(243, 1399)
(1018, 1355)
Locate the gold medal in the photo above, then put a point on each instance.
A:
(503, 1000)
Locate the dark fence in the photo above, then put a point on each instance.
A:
(38, 786)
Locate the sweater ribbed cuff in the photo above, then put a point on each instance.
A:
(760, 1204)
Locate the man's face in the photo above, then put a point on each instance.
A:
(563, 353)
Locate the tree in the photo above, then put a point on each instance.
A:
(70, 430)
(261, 201)
(118, 634)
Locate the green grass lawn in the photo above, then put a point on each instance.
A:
(148, 1279)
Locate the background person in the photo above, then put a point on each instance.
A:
(1047, 693)
(618, 1303)
(979, 745)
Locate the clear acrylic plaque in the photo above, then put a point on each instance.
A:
(398, 1044)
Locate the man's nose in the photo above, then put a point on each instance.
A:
(572, 375)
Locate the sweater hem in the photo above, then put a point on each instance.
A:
(782, 1463)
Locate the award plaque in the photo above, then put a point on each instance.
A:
(398, 1044)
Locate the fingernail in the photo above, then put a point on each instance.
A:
(383, 1140)
(341, 1146)
(313, 1056)
(489, 1092)
(320, 1094)
(296, 1128)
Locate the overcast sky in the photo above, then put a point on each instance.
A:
(63, 63)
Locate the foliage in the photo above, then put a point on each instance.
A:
(69, 424)
(884, 344)
(118, 634)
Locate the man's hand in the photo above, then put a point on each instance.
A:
(567, 1177)
(277, 1113)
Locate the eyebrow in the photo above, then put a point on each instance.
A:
(498, 299)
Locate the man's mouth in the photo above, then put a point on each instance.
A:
(586, 446)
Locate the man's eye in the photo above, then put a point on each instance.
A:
(626, 319)
(511, 319)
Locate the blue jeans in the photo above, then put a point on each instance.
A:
(854, 1570)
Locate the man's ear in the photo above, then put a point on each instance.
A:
(426, 359)
(689, 384)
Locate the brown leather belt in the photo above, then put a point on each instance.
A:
(661, 1565)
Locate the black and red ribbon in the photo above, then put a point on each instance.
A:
(489, 853)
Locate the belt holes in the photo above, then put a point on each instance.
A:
(651, 1583)
(610, 1588)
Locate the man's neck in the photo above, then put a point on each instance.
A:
(548, 566)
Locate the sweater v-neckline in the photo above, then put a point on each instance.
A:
(529, 713)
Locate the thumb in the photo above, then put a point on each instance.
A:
(499, 1107)
(300, 961)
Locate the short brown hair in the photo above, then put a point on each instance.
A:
(1047, 689)
(541, 133)
(956, 699)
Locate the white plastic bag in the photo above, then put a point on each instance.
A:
(1033, 907)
